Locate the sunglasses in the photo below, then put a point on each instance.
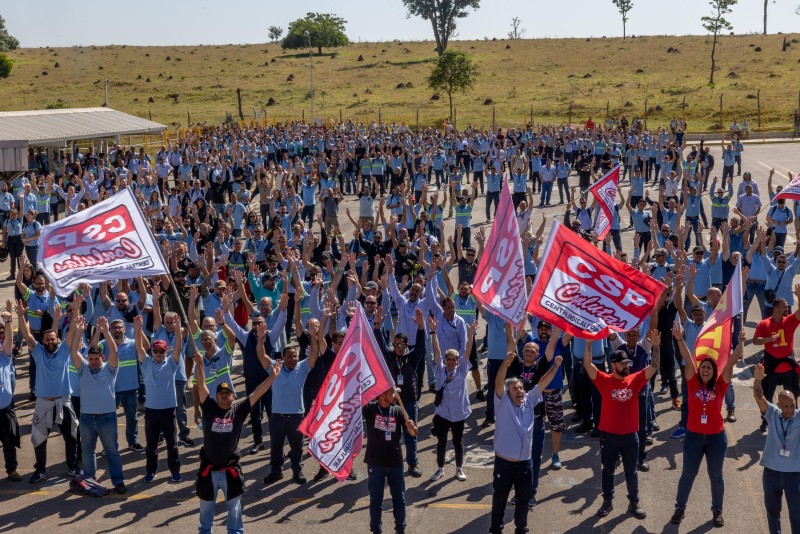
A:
(398, 344)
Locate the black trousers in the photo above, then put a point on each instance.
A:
(156, 422)
(612, 446)
(8, 439)
(256, 410)
(70, 445)
(443, 426)
(509, 475)
(284, 427)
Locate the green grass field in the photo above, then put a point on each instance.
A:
(554, 79)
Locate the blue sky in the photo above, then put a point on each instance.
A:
(39, 23)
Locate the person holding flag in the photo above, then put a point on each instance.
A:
(705, 434)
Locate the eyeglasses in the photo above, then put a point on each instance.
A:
(118, 301)
(398, 344)
(159, 351)
(370, 302)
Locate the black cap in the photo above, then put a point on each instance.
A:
(619, 356)
(224, 386)
(544, 324)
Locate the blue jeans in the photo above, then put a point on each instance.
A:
(537, 444)
(376, 480)
(563, 187)
(755, 289)
(505, 476)
(103, 426)
(411, 441)
(127, 399)
(234, 507)
(695, 446)
(547, 190)
(776, 485)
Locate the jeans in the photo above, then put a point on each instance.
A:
(492, 197)
(157, 422)
(755, 289)
(563, 184)
(32, 253)
(412, 408)
(777, 484)
(281, 428)
(307, 214)
(127, 399)
(537, 444)
(695, 446)
(376, 479)
(684, 400)
(234, 506)
(492, 366)
(547, 190)
(180, 409)
(505, 476)
(103, 426)
(611, 446)
(643, 399)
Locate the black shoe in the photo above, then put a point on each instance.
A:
(656, 427)
(32, 396)
(414, 471)
(120, 489)
(257, 447)
(648, 440)
(12, 277)
(719, 521)
(763, 427)
(299, 478)
(272, 478)
(74, 471)
(137, 447)
(584, 427)
(595, 433)
(576, 417)
(637, 511)
(352, 476)
(431, 388)
(644, 467)
(322, 473)
(480, 395)
(487, 422)
(606, 509)
(187, 441)
(678, 516)
(38, 476)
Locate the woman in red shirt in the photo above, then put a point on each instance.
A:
(705, 433)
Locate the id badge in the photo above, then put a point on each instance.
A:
(704, 419)
(400, 380)
(387, 436)
(785, 453)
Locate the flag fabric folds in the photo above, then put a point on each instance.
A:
(605, 193)
(715, 338)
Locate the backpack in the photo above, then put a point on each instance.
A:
(86, 485)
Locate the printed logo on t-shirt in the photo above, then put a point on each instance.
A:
(222, 424)
(709, 395)
(386, 424)
(622, 395)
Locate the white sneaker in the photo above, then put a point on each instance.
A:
(460, 475)
(437, 475)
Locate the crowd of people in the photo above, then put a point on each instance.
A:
(269, 286)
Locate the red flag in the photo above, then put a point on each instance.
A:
(357, 376)
(605, 193)
(791, 191)
(500, 280)
(714, 340)
(587, 293)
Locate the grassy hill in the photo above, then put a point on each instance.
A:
(552, 78)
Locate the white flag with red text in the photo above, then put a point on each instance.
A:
(500, 279)
(358, 375)
(108, 241)
(605, 193)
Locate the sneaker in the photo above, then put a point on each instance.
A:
(353, 475)
(480, 395)
(137, 447)
(121, 489)
(531, 503)
(322, 473)
(513, 501)
(679, 433)
(555, 463)
(259, 447)
(460, 475)
(187, 441)
(438, 474)
(13, 476)
(414, 471)
(656, 427)
(299, 478)
(606, 508)
(584, 427)
(663, 390)
(74, 471)
(635, 508)
(644, 467)
(176, 476)
(273, 477)
(676, 404)
(678, 516)
(38, 476)
(719, 521)
(149, 477)
(648, 440)
(731, 418)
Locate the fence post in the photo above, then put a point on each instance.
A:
(645, 113)
(340, 114)
(455, 117)
(531, 115)
(607, 108)
(569, 113)
(683, 109)
(721, 122)
(493, 118)
(379, 117)
(417, 119)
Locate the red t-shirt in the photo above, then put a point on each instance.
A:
(783, 346)
(712, 406)
(620, 408)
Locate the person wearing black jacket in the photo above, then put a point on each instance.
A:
(403, 365)
(219, 463)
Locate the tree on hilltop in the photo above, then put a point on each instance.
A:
(442, 15)
(7, 41)
(454, 72)
(275, 33)
(325, 30)
(516, 30)
(715, 24)
(624, 6)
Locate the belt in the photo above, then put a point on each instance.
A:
(509, 459)
(756, 281)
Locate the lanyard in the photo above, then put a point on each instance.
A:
(705, 395)
(785, 430)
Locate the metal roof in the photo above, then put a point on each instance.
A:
(51, 126)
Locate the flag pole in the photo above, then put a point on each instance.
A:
(400, 402)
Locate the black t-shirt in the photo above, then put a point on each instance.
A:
(222, 429)
(380, 423)
(467, 271)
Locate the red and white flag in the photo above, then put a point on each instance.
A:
(715, 339)
(605, 193)
(358, 375)
(587, 293)
(108, 241)
(500, 279)
(791, 191)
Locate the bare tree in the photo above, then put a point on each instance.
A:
(715, 24)
(624, 6)
(516, 31)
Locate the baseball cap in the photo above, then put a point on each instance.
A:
(159, 344)
(223, 386)
(619, 356)
(371, 285)
(544, 324)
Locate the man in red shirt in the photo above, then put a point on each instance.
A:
(619, 420)
(776, 333)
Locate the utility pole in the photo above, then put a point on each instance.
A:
(105, 92)
(311, 61)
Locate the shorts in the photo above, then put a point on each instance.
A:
(554, 409)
